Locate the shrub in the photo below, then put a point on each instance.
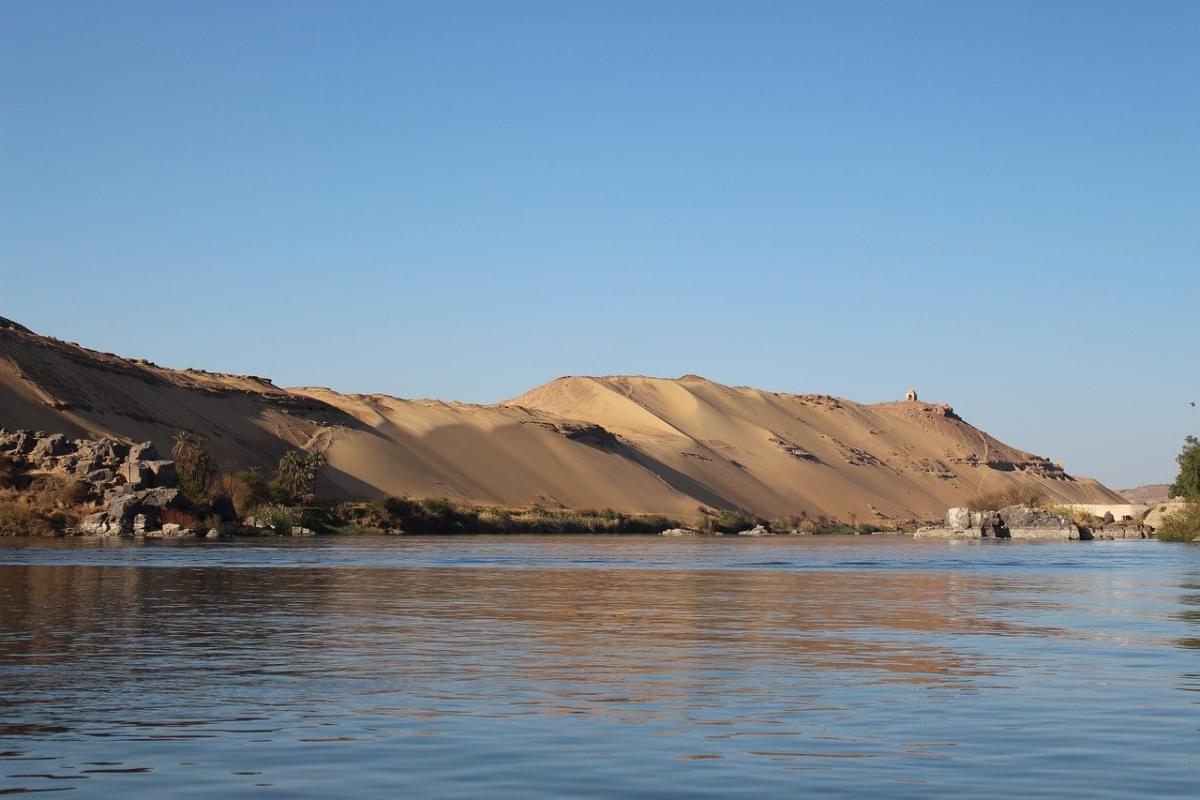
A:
(75, 493)
(1029, 496)
(47, 493)
(441, 515)
(1182, 525)
(730, 521)
(279, 518)
(9, 474)
(29, 516)
(246, 489)
(18, 519)
(836, 528)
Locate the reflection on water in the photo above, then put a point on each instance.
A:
(600, 667)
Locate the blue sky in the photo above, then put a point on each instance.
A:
(995, 203)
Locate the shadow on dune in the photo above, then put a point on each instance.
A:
(674, 478)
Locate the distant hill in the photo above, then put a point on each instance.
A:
(1150, 493)
(627, 442)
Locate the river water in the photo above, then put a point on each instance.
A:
(591, 666)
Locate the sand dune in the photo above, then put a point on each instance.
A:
(631, 443)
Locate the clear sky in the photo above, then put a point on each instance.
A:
(997, 203)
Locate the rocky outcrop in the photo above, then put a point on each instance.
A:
(131, 513)
(107, 464)
(1024, 522)
(1027, 518)
(130, 479)
(585, 433)
(757, 530)
(958, 519)
(793, 449)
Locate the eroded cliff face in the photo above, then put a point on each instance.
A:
(627, 442)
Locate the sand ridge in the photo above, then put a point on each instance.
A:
(634, 443)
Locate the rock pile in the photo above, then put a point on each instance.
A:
(134, 513)
(108, 464)
(130, 478)
(1024, 522)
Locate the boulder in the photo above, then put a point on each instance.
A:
(757, 530)
(947, 533)
(959, 519)
(143, 451)
(21, 443)
(111, 451)
(53, 445)
(1028, 518)
(135, 473)
(66, 463)
(100, 476)
(160, 497)
(98, 525)
(679, 532)
(124, 508)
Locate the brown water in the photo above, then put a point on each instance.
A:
(600, 666)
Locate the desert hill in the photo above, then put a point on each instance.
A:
(631, 443)
(1150, 493)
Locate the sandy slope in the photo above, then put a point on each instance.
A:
(1150, 493)
(775, 452)
(633, 443)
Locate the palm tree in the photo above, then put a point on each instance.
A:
(192, 463)
(297, 473)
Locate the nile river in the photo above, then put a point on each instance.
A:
(586, 666)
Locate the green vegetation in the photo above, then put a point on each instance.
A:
(286, 501)
(435, 515)
(279, 518)
(297, 474)
(1182, 525)
(193, 464)
(844, 528)
(728, 521)
(247, 489)
(1187, 483)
